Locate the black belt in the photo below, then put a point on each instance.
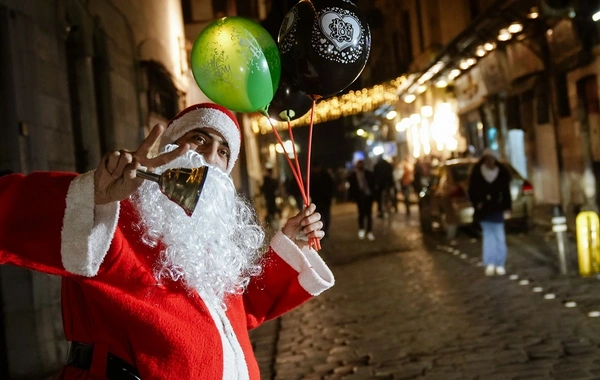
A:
(81, 354)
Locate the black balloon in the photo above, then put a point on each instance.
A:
(324, 45)
(288, 102)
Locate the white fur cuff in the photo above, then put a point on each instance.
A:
(314, 275)
(87, 229)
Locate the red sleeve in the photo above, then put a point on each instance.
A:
(31, 214)
(49, 223)
(290, 277)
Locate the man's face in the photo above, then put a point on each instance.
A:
(490, 162)
(360, 165)
(210, 144)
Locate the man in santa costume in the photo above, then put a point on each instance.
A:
(149, 292)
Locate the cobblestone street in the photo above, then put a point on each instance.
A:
(408, 306)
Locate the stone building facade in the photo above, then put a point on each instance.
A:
(77, 78)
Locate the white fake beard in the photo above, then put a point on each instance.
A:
(215, 251)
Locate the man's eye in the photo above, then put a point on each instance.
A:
(200, 139)
(225, 153)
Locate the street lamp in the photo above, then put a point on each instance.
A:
(415, 118)
(504, 35)
(378, 150)
(489, 46)
(409, 98)
(441, 83)
(403, 125)
(534, 13)
(427, 111)
(454, 74)
(515, 27)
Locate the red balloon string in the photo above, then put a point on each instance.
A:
(314, 242)
(301, 184)
(297, 175)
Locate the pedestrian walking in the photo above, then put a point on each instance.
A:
(489, 192)
(361, 191)
(270, 190)
(406, 182)
(148, 291)
(321, 192)
(383, 173)
(418, 174)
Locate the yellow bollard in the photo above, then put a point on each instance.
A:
(588, 244)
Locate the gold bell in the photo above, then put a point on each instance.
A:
(181, 185)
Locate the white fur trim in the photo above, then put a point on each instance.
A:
(206, 118)
(234, 360)
(313, 274)
(87, 229)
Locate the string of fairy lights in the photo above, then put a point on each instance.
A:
(351, 103)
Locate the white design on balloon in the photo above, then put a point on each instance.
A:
(343, 31)
(288, 29)
(344, 36)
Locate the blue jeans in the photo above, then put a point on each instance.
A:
(494, 243)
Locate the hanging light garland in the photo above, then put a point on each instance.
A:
(352, 103)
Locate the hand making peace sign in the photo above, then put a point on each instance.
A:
(115, 177)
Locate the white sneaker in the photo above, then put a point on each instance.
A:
(361, 234)
(489, 270)
(500, 271)
(370, 236)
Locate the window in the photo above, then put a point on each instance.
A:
(163, 97)
(406, 41)
(542, 104)
(513, 112)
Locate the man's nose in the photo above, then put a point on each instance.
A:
(212, 153)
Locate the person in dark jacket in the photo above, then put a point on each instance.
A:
(270, 190)
(489, 191)
(383, 172)
(362, 191)
(321, 192)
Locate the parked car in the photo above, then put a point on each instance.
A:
(445, 199)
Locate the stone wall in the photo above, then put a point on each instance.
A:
(70, 89)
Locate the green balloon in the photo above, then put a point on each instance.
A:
(236, 64)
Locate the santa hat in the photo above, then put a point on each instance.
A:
(206, 115)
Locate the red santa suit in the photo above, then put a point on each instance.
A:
(111, 298)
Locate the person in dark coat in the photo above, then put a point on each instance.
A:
(270, 189)
(362, 191)
(489, 192)
(384, 182)
(321, 193)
